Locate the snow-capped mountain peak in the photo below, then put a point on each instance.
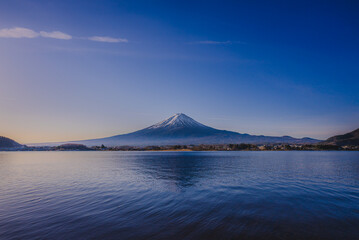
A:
(183, 130)
(178, 120)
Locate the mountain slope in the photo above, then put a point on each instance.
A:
(351, 138)
(181, 129)
(7, 143)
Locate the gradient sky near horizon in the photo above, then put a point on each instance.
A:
(72, 70)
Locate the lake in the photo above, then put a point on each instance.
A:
(179, 195)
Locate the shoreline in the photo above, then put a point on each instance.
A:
(186, 150)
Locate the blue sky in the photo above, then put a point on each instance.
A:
(74, 70)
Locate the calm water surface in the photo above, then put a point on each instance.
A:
(179, 195)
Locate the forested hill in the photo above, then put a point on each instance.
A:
(351, 138)
(6, 143)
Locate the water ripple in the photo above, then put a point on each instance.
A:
(179, 195)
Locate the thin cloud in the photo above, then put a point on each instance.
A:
(56, 34)
(18, 32)
(210, 42)
(213, 42)
(108, 39)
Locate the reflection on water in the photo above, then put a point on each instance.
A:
(179, 195)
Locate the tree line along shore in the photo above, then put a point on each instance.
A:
(202, 147)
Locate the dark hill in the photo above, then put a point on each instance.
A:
(7, 143)
(351, 138)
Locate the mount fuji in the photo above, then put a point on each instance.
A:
(181, 129)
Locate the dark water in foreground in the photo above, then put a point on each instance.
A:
(179, 195)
